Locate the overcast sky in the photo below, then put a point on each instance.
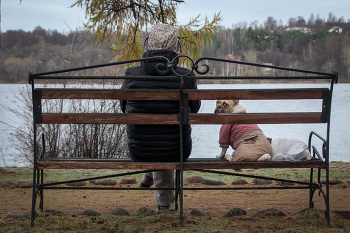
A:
(55, 14)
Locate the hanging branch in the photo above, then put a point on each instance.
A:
(121, 25)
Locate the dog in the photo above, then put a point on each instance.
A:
(247, 140)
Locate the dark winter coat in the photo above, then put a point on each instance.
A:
(157, 143)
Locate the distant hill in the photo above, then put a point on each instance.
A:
(41, 51)
(320, 50)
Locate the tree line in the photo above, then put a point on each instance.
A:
(270, 42)
(45, 50)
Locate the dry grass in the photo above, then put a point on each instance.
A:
(168, 222)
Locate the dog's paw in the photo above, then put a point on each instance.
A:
(265, 157)
(228, 157)
(222, 155)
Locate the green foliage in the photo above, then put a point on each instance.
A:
(250, 34)
(237, 36)
(125, 21)
(193, 40)
(320, 35)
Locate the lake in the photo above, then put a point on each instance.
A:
(205, 137)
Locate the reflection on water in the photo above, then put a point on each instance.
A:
(205, 137)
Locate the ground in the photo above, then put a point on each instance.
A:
(216, 203)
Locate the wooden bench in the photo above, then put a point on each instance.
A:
(319, 161)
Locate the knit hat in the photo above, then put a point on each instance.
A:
(163, 36)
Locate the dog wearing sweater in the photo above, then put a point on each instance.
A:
(247, 140)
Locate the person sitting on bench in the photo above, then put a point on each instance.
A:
(158, 143)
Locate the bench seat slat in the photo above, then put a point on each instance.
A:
(200, 118)
(195, 163)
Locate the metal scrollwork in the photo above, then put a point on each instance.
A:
(161, 65)
(201, 72)
(165, 65)
(172, 65)
(177, 57)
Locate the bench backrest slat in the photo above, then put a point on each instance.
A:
(138, 94)
(256, 118)
(173, 119)
(266, 94)
(109, 94)
(109, 118)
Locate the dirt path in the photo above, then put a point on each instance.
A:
(215, 202)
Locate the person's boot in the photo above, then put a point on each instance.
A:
(161, 209)
(146, 181)
(142, 185)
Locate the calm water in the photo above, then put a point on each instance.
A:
(205, 137)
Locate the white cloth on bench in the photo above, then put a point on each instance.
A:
(287, 149)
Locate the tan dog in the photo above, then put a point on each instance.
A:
(226, 106)
(251, 146)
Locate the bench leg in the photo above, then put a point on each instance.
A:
(181, 195)
(325, 194)
(312, 191)
(311, 203)
(41, 191)
(328, 216)
(34, 196)
(177, 185)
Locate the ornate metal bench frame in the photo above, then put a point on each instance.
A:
(320, 161)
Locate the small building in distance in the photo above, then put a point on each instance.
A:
(302, 29)
(230, 56)
(336, 29)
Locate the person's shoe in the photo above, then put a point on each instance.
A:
(162, 209)
(142, 185)
(146, 181)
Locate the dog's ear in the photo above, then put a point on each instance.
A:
(235, 102)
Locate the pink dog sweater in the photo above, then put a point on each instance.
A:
(229, 136)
